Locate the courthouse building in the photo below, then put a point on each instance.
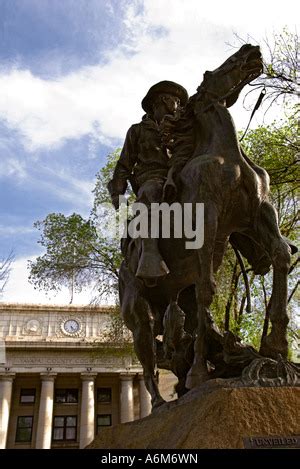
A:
(63, 378)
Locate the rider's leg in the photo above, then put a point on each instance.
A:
(151, 264)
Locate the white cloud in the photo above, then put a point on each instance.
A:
(105, 99)
(57, 181)
(67, 187)
(254, 16)
(12, 167)
(6, 230)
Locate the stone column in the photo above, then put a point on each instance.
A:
(6, 383)
(126, 403)
(44, 426)
(87, 414)
(145, 398)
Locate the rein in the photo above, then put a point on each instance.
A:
(238, 88)
(257, 105)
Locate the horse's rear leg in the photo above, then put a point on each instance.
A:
(145, 349)
(139, 319)
(280, 254)
(205, 289)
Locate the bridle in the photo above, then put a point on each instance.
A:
(235, 89)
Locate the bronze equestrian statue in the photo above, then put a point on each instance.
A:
(172, 298)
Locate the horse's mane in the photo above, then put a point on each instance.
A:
(184, 129)
(183, 134)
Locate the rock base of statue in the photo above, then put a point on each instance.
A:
(218, 414)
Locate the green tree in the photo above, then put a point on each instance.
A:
(75, 256)
(104, 175)
(276, 148)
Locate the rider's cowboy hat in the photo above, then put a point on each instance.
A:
(164, 87)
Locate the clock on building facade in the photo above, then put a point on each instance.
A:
(71, 327)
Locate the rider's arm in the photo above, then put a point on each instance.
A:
(128, 157)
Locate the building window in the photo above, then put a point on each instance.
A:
(24, 429)
(103, 420)
(65, 428)
(104, 395)
(27, 396)
(66, 396)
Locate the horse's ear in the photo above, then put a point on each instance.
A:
(246, 47)
(207, 74)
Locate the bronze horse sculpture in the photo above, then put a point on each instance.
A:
(236, 208)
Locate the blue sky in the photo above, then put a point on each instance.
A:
(72, 75)
(70, 34)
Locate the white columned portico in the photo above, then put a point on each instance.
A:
(44, 426)
(6, 383)
(87, 414)
(145, 398)
(126, 402)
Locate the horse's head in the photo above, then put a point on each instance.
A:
(226, 82)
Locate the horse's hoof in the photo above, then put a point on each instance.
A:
(271, 348)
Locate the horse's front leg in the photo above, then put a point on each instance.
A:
(145, 349)
(205, 289)
(276, 342)
(138, 318)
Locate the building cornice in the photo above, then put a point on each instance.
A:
(57, 345)
(21, 308)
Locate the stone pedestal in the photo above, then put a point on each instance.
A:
(44, 427)
(6, 383)
(213, 416)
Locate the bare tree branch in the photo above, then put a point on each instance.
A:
(5, 269)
